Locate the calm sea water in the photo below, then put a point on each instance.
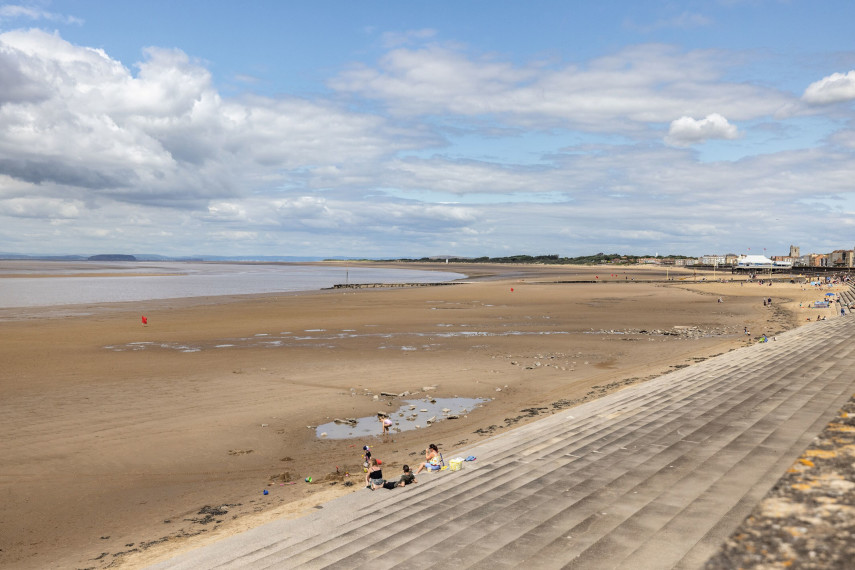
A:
(188, 280)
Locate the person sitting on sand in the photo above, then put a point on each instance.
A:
(374, 477)
(431, 458)
(406, 479)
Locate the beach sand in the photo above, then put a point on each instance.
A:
(124, 444)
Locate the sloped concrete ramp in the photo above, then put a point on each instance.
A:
(654, 476)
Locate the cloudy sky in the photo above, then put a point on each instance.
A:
(413, 128)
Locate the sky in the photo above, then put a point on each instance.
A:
(383, 129)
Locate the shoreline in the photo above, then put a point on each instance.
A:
(143, 440)
(50, 285)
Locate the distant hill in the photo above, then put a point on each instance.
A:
(111, 257)
(156, 257)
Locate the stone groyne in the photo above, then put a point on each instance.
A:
(387, 285)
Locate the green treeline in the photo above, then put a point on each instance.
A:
(553, 259)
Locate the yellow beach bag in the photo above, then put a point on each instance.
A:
(455, 464)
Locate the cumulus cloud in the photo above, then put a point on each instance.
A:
(16, 86)
(75, 119)
(687, 131)
(834, 88)
(92, 149)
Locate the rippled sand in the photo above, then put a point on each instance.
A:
(122, 442)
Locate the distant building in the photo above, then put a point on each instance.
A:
(813, 260)
(711, 260)
(841, 258)
(785, 259)
(754, 261)
(794, 251)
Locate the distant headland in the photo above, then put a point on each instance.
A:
(111, 257)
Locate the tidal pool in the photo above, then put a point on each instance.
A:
(412, 415)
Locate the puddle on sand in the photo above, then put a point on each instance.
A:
(407, 417)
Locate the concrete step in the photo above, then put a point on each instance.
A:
(626, 505)
(709, 494)
(719, 501)
(534, 489)
(650, 476)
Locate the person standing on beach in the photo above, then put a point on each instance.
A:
(366, 458)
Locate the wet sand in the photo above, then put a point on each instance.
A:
(123, 444)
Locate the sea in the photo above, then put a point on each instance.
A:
(88, 283)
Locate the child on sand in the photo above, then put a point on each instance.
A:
(385, 422)
(366, 458)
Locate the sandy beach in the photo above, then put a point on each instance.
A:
(124, 444)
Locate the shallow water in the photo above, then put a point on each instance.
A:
(413, 415)
(191, 280)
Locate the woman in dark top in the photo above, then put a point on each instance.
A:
(374, 477)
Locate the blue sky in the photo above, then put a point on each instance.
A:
(386, 129)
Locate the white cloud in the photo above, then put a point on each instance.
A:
(834, 88)
(683, 21)
(152, 157)
(433, 78)
(239, 236)
(13, 12)
(687, 131)
(227, 211)
(844, 138)
(459, 177)
(397, 39)
(81, 121)
(40, 207)
(623, 92)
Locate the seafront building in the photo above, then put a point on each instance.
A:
(837, 259)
